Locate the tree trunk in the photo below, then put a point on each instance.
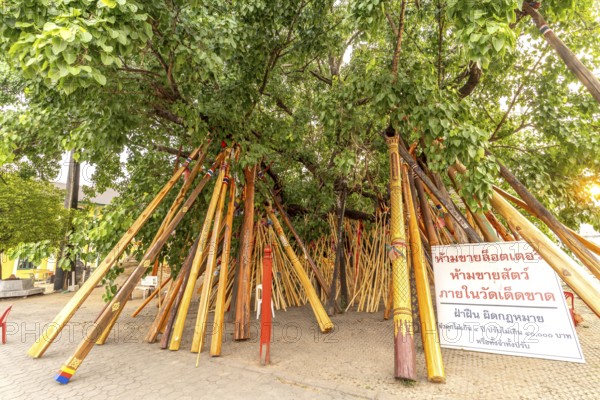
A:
(242, 307)
(71, 201)
(339, 250)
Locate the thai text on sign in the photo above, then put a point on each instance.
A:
(502, 298)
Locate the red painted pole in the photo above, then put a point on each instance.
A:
(266, 318)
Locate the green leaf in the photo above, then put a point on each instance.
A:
(49, 26)
(69, 56)
(109, 3)
(498, 43)
(98, 77)
(107, 59)
(85, 36)
(66, 34)
(58, 45)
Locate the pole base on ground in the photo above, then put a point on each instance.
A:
(64, 375)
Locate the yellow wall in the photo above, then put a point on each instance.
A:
(8, 268)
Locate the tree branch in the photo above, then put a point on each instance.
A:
(321, 77)
(398, 42)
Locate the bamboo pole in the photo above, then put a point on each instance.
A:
(429, 332)
(219, 319)
(172, 295)
(323, 320)
(515, 200)
(569, 271)
(404, 346)
(64, 316)
(450, 207)
(489, 234)
(184, 305)
(120, 299)
(177, 295)
(165, 223)
(584, 75)
(586, 257)
(201, 320)
(300, 243)
(242, 307)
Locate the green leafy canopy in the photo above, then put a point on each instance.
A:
(305, 87)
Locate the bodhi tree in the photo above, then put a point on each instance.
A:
(306, 88)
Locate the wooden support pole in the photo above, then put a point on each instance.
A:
(571, 273)
(165, 223)
(55, 327)
(219, 319)
(459, 234)
(502, 231)
(311, 262)
(184, 306)
(177, 296)
(489, 233)
(120, 299)
(426, 214)
(106, 332)
(266, 319)
(149, 298)
(450, 207)
(187, 184)
(585, 76)
(211, 263)
(169, 302)
(405, 366)
(323, 320)
(339, 252)
(538, 209)
(429, 332)
(521, 204)
(242, 306)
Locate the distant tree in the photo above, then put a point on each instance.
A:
(32, 217)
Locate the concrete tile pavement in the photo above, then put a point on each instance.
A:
(356, 361)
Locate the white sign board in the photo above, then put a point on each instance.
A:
(502, 298)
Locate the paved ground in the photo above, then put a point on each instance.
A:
(354, 362)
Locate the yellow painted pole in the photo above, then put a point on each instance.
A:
(323, 320)
(165, 223)
(189, 289)
(515, 200)
(429, 332)
(199, 332)
(586, 287)
(404, 346)
(56, 326)
(218, 325)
